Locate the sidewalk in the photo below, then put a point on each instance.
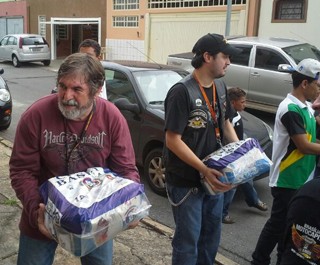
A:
(147, 244)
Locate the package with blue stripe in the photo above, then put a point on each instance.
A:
(86, 209)
(239, 161)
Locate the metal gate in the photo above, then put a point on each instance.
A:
(13, 25)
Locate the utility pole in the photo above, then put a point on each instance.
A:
(228, 19)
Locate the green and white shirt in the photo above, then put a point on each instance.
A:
(291, 168)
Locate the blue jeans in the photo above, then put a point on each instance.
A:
(40, 252)
(227, 199)
(198, 225)
(250, 194)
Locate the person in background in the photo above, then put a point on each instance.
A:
(293, 155)
(93, 48)
(237, 98)
(197, 113)
(301, 242)
(61, 134)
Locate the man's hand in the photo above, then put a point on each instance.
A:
(41, 226)
(212, 177)
(133, 225)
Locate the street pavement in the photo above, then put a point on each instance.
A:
(148, 244)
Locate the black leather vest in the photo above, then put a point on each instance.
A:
(199, 133)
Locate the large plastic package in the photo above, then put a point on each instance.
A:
(86, 209)
(239, 161)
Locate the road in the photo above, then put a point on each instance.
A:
(33, 81)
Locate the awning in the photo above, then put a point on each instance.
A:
(69, 21)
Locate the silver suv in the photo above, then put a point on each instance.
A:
(264, 68)
(20, 48)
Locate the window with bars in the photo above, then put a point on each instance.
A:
(286, 10)
(62, 32)
(125, 4)
(185, 3)
(125, 21)
(42, 27)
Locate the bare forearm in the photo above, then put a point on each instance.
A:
(230, 134)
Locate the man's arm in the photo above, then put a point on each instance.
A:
(230, 134)
(177, 146)
(25, 169)
(122, 157)
(304, 146)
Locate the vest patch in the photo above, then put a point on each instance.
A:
(198, 119)
(198, 102)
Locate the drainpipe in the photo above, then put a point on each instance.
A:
(228, 19)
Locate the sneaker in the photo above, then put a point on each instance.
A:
(227, 220)
(262, 206)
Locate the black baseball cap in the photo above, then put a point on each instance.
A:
(213, 44)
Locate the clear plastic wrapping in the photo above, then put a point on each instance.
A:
(86, 209)
(239, 161)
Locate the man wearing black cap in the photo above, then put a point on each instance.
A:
(197, 112)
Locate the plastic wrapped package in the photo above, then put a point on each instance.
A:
(86, 209)
(239, 161)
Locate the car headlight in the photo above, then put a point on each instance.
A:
(4, 95)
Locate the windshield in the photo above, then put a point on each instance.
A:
(303, 51)
(154, 85)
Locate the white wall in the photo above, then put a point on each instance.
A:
(125, 50)
(173, 33)
(177, 33)
(307, 31)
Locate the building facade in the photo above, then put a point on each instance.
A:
(63, 23)
(290, 19)
(149, 30)
(13, 17)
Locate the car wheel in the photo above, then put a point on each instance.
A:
(46, 62)
(154, 172)
(15, 61)
(5, 127)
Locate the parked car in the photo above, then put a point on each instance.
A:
(19, 48)
(5, 103)
(139, 89)
(263, 68)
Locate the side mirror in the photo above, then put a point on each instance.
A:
(1, 71)
(125, 104)
(287, 68)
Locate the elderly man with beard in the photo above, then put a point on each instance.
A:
(61, 134)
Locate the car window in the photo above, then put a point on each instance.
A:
(33, 41)
(155, 84)
(118, 86)
(300, 52)
(243, 57)
(11, 41)
(4, 41)
(268, 59)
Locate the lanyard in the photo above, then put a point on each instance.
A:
(78, 140)
(213, 113)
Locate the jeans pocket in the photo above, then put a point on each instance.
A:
(177, 195)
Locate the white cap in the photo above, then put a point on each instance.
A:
(309, 67)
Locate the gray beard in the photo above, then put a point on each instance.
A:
(77, 113)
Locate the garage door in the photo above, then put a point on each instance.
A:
(177, 33)
(11, 26)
